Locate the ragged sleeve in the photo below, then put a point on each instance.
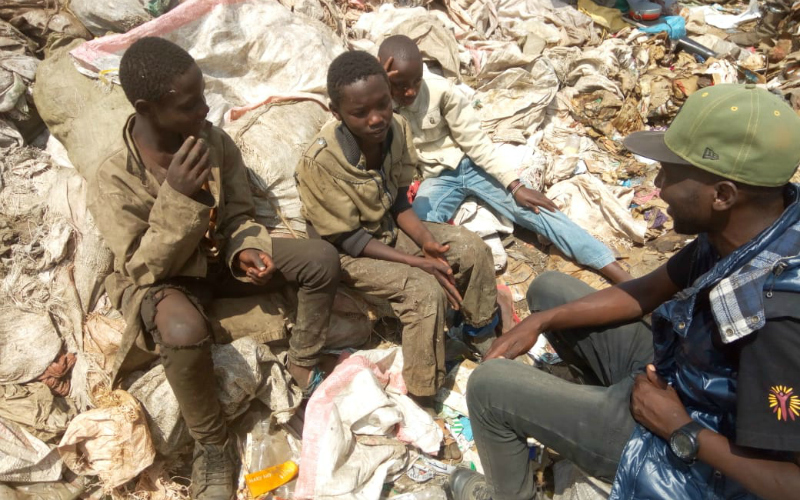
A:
(149, 244)
(239, 227)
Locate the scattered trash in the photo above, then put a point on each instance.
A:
(556, 86)
(271, 478)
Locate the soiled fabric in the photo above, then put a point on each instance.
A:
(419, 301)
(156, 232)
(340, 195)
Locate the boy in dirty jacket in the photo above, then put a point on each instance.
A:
(173, 203)
(353, 182)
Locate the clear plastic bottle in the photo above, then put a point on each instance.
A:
(269, 447)
(573, 145)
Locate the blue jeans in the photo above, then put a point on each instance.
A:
(439, 197)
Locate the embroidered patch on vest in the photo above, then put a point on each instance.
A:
(784, 402)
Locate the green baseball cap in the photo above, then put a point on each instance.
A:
(739, 132)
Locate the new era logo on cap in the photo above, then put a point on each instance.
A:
(709, 154)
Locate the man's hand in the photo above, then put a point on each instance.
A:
(257, 265)
(514, 342)
(189, 168)
(656, 405)
(436, 264)
(530, 198)
(387, 64)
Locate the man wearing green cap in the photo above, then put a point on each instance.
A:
(705, 403)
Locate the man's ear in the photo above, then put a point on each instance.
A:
(726, 194)
(334, 110)
(142, 107)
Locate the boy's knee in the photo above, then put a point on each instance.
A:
(323, 263)
(470, 250)
(181, 326)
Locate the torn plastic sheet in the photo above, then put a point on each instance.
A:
(256, 59)
(24, 458)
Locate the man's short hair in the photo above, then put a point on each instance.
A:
(149, 67)
(400, 47)
(349, 68)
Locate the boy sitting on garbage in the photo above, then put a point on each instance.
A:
(353, 181)
(458, 159)
(173, 204)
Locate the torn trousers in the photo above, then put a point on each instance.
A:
(311, 266)
(419, 301)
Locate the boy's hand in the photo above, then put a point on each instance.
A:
(434, 250)
(189, 168)
(436, 264)
(533, 199)
(387, 65)
(257, 265)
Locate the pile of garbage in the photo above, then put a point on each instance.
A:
(557, 84)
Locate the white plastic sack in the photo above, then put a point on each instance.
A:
(484, 222)
(29, 342)
(591, 205)
(248, 50)
(513, 105)
(576, 28)
(91, 259)
(117, 16)
(364, 396)
(478, 15)
(727, 21)
(376, 25)
(24, 458)
(272, 139)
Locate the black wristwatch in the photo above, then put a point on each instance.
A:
(683, 442)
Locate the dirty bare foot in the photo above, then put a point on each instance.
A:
(300, 374)
(505, 301)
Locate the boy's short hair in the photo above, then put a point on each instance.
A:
(149, 67)
(400, 47)
(349, 68)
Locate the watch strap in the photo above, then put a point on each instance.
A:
(692, 429)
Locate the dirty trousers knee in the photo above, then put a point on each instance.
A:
(418, 300)
(312, 266)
